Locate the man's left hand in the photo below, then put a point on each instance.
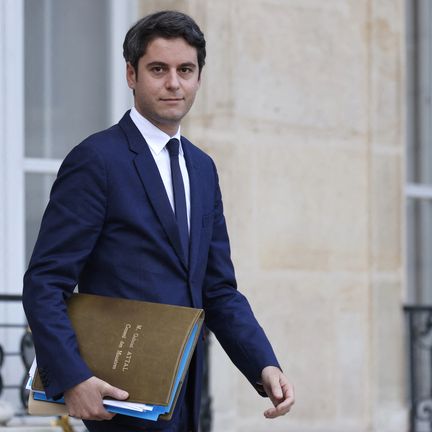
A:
(279, 390)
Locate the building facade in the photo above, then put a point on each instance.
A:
(303, 105)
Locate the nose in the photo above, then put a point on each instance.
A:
(172, 82)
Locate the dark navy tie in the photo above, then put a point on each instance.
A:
(179, 195)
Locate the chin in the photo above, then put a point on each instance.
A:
(172, 118)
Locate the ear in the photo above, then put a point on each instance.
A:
(130, 76)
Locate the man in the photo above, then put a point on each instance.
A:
(136, 212)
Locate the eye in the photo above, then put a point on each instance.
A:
(157, 70)
(186, 70)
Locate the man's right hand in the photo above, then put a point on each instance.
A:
(84, 401)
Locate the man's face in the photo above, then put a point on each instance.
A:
(166, 83)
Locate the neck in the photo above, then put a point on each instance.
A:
(170, 128)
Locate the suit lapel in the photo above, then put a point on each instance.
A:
(150, 177)
(196, 204)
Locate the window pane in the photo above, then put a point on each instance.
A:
(66, 74)
(38, 187)
(419, 250)
(419, 63)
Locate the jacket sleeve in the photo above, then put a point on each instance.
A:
(228, 313)
(69, 230)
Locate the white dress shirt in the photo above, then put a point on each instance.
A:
(157, 140)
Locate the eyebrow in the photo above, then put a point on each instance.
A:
(188, 64)
(160, 63)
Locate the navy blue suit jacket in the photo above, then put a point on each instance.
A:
(109, 228)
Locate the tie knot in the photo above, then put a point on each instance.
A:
(173, 147)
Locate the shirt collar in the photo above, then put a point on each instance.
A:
(155, 138)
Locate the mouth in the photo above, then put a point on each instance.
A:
(171, 100)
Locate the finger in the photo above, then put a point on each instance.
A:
(98, 417)
(97, 414)
(288, 391)
(283, 407)
(280, 410)
(114, 392)
(105, 416)
(91, 410)
(275, 388)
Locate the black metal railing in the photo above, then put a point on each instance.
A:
(420, 362)
(25, 353)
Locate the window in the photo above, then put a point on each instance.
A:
(62, 78)
(66, 95)
(419, 152)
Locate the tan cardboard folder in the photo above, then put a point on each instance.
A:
(134, 345)
(43, 408)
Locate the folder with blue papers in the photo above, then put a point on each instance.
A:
(141, 347)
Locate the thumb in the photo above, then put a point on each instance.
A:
(115, 392)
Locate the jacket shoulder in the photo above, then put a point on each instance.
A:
(105, 141)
